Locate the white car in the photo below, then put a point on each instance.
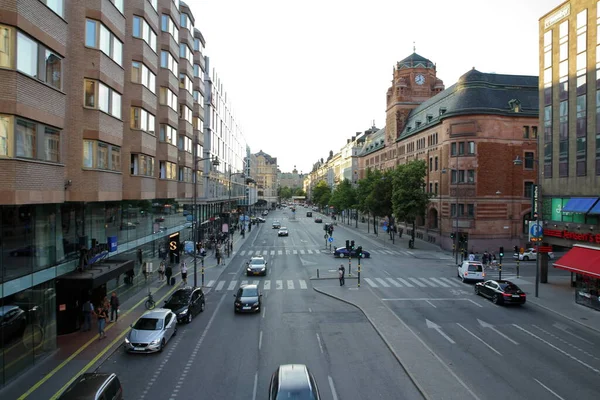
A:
(283, 231)
(530, 254)
(471, 271)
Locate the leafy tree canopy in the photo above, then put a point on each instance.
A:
(409, 198)
(321, 194)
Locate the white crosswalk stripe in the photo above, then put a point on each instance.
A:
(279, 252)
(382, 282)
(265, 252)
(302, 251)
(288, 252)
(370, 282)
(242, 252)
(255, 282)
(278, 285)
(290, 284)
(309, 251)
(303, 284)
(451, 282)
(210, 284)
(428, 283)
(267, 285)
(393, 282)
(295, 251)
(232, 285)
(418, 282)
(406, 283)
(244, 283)
(220, 285)
(272, 252)
(442, 284)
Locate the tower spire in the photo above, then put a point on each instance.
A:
(414, 47)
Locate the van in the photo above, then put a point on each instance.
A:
(471, 271)
(94, 386)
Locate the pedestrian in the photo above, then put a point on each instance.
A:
(218, 256)
(341, 274)
(168, 273)
(114, 307)
(145, 270)
(161, 271)
(471, 256)
(88, 309)
(102, 315)
(105, 303)
(484, 258)
(184, 272)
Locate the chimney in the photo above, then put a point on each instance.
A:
(348, 141)
(353, 138)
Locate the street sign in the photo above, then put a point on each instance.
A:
(330, 239)
(385, 228)
(536, 231)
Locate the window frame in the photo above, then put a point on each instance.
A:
(92, 147)
(142, 165)
(171, 98)
(60, 13)
(146, 77)
(115, 46)
(168, 134)
(171, 28)
(146, 33)
(111, 97)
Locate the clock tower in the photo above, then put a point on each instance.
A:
(414, 82)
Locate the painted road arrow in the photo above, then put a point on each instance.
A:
(438, 328)
(490, 326)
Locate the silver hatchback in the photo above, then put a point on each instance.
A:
(152, 331)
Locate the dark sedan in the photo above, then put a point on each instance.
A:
(247, 299)
(342, 252)
(186, 303)
(319, 220)
(501, 292)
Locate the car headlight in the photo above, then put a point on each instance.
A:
(255, 304)
(248, 269)
(126, 340)
(154, 342)
(183, 312)
(263, 268)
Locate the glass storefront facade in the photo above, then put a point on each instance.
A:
(587, 290)
(39, 243)
(552, 211)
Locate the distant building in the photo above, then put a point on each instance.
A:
(292, 180)
(266, 179)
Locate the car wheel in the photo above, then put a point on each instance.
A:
(526, 258)
(162, 346)
(495, 299)
(202, 305)
(476, 290)
(341, 255)
(190, 317)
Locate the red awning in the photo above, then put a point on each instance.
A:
(581, 260)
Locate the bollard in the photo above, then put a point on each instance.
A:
(517, 265)
(317, 273)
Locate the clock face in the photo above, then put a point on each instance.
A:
(419, 79)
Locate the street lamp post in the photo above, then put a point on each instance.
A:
(195, 224)
(536, 215)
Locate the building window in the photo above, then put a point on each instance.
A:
(529, 160)
(196, 95)
(461, 148)
(118, 5)
(548, 141)
(196, 70)
(563, 144)
(453, 149)
(51, 144)
(186, 52)
(142, 75)
(142, 30)
(186, 22)
(534, 132)
(471, 210)
(186, 83)
(525, 132)
(185, 144)
(101, 97)
(196, 44)
(25, 133)
(470, 148)
(436, 164)
(563, 66)
(27, 55)
(58, 6)
(101, 155)
(168, 170)
(169, 26)
(169, 62)
(430, 163)
(581, 154)
(142, 165)
(548, 68)
(142, 120)
(168, 134)
(154, 4)
(436, 188)
(168, 98)
(6, 47)
(98, 36)
(528, 190)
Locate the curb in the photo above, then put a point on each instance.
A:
(562, 315)
(389, 346)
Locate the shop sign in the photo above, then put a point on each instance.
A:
(557, 16)
(577, 236)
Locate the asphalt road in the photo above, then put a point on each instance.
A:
(221, 355)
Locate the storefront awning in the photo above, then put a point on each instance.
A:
(581, 260)
(579, 204)
(595, 209)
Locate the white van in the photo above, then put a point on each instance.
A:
(471, 271)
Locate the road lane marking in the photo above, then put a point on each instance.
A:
(393, 282)
(418, 282)
(272, 252)
(260, 340)
(309, 309)
(565, 329)
(370, 282)
(560, 339)
(439, 282)
(302, 252)
(263, 311)
(406, 283)
(558, 349)
(295, 252)
(267, 285)
(290, 284)
(210, 283)
(548, 389)
(474, 302)
(310, 251)
(279, 252)
(278, 284)
(382, 282)
(451, 282)
(387, 273)
(232, 285)
(320, 345)
(430, 303)
(244, 283)
(332, 387)
(436, 327)
(242, 252)
(490, 326)
(427, 282)
(220, 285)
(303, 284)
(480, 339)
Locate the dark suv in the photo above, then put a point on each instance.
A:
(186, 303)
(94, 386)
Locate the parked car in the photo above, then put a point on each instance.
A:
(309, 213)
(501, 292)
(186, 303)
(265, 213)
(471, 271)
(13, 321)
(247, 299)
(283, 231)
(94, 386)
(530, 254)
(276, 225)
(342, 252)
(256, 266)
(261, 220)
(293, 381)
(152, 331)
(319, 220)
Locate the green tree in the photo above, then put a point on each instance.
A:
(374, 194)
(284, 193)
(409, 198)
(321, 194)
(344, 197)
(299, 192)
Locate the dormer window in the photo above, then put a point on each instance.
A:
(408, 128)
(418, 124)
(515, 105)
(442, 111)
(429, 118)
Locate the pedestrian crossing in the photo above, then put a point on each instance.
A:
(316, 251)
(301, 284)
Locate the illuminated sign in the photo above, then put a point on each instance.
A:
(577, 236)
(557, 16)
(174, 243)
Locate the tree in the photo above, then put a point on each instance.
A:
(344, 196)
(298, 192)
(374, 194)
(321, 194)
(409, 198)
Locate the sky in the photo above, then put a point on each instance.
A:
(303, 76)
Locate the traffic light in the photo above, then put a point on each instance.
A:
(348, 245)
(359, 251)
(501, 251)
(352, 245)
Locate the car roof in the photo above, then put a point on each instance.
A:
(257, 258)
(249, 287)
(86, 385)
(283, 227)
(156, 313)
(293, 376)
(5, 309)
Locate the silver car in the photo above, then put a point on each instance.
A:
(152, 331)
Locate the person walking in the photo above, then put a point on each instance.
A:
(169, 273)
(184, 272)
(102, 315)
(114, 307)
(161, 271)
(145, 270)
(218, 256)
(341, 274)
(105, 303)
(88, 310)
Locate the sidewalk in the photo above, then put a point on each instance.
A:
(556, 296)
(83, 352)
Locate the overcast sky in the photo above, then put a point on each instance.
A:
(303, 76)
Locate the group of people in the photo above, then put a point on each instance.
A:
(101, 312)
(487, 259)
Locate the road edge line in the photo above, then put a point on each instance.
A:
(562, 315)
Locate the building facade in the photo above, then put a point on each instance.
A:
(266, 179)
(292, 180)
(569, 165)
(102, 129)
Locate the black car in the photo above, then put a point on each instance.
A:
(319, 220)
(309, 214)
(293, 381)
(501, 292)
(342, 252)
(247, 299)
(13, 322)
(186, 303)
(94, 386)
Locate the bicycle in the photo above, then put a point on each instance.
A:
(150, 303)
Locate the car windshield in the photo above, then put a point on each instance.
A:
(247, 292)
(475, 267)
(180, 297)
(509, 287)
(296, 394)
(148, 324)
(283, 228)
(257, 261)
